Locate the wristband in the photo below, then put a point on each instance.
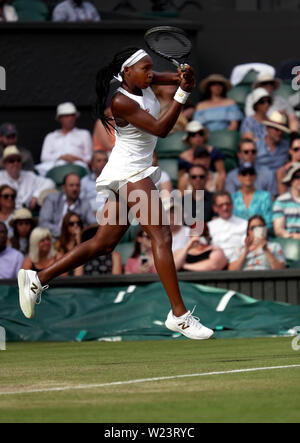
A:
(181, 96)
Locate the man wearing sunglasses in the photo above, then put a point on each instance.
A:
(28, 185)
(265, 179)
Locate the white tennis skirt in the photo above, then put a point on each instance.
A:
(104, 182)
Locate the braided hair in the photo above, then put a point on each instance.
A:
(103, 81)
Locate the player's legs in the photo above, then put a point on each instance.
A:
(106, 239)
(161, 239)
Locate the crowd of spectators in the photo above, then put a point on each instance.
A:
(245, 208)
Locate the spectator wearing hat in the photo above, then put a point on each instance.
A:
(252, 126)
(10, 259)
(279, 103)
(7, 206)
(22, 223)
(7, 12)
(249, 201)
(286, 209)
(273, 150)
(28, 185)
(196, 136)
(265, 178)
(56, 205)
(216, 111)
(9, 137)
(75, 11)
(68, 144)
(227, 230)
(294, 157)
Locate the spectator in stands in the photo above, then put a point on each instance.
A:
(272, 150)
(257, 254)
(227, 231)
(198, 176)
(196, 137)
(279, 104)
(70, 237)
(198, 255)
(142, 260)
(286, 209)
(180, 232)
(7, 206)
(265, 179)
(294, 156)
(104, 264)
(249, 201)
(67, 145)
(252, 126)
(88, 188)
(7, 12)
(10, 259)
(23, 224)
(56, 206)
(75, 11)
(216, 111)
(9, 137)
(28, 185)
(41, 251)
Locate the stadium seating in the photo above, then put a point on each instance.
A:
(31, 10)
(171, 146)
(225, 140)
(58, 173)
(249, 78)
(285, 90)
(291, 250)
(170, 165)
(126, 250)
(230, 164)
(239, 94)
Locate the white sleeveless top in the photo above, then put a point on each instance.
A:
(132, 156)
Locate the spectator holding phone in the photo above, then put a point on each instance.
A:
(142, 260)
(257, 253)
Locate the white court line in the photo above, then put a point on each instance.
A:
(143, 380)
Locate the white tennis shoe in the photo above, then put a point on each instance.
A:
(30, 291)
(189, 326)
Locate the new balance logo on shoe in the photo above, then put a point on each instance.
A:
(34, 288)
(183, 326)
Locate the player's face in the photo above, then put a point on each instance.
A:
(142, 73)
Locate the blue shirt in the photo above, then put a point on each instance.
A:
(272, 160)
(265, 181)
(68, 11)
(219, 117)
(11, 262)
(261, 204)
(251, 125)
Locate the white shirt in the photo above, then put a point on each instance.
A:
(181, 238)
(28, 186)
(10, 14)
(77, 142)
(228, 234)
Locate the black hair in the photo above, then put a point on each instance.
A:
(201, 152)
(255, 217)
(103, 81)
(294, 136)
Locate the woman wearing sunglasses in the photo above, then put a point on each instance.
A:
(257, 253)
(249, 201)
(294, 157)
(252, 126)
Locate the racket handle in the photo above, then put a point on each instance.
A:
(179, 65)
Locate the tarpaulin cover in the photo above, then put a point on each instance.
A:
(138, 313)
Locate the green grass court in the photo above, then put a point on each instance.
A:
(271, 395)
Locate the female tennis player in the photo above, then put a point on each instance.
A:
(135, 110)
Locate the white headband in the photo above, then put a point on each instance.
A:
(136, 57)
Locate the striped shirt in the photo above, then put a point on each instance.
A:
(285, 206)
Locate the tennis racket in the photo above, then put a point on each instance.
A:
(170, 43)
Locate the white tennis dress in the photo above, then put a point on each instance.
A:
(132, 156)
